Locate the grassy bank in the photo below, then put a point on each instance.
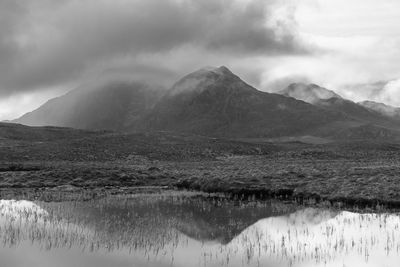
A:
(358, 182)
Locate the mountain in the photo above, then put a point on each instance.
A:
(310, 93)
(110, 106)
(213, 102)
(358, 113)
(216, 102)
(381, 108)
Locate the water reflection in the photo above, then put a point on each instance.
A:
(176, 229)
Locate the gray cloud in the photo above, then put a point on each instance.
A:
(47, 43)
(10, 11)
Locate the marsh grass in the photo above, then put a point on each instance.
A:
(214, 230)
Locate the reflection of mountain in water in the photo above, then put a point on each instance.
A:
(201, 218)
(174, 230)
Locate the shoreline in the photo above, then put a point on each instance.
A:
(71, 193)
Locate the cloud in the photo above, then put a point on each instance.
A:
(355, 45)
(387, 92)
(49, 43)
(390, 93)
(16, 105)
(10, 11)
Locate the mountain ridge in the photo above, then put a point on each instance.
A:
(212, 102)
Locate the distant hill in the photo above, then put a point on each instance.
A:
(216, 102)
(111, 107)
(381, 108)
(310, 93)
(368, 132)
(18, 132)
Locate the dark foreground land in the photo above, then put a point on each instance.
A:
(361, 173)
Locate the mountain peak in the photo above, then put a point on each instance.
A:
(311, 93)
(222, 70)
(201, 79)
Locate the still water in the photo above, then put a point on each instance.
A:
(188, 229)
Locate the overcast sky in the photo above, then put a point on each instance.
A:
(48, 47)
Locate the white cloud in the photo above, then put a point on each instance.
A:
(390, 93)
(356, 44)
(16, 105)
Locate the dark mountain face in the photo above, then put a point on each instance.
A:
(218, 103)
(111, 107)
